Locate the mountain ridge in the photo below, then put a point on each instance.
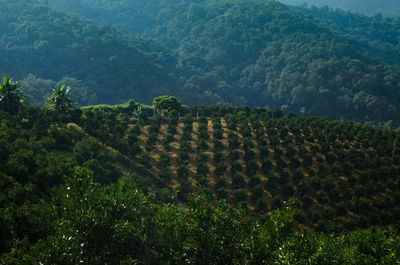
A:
(246, 53)
(389, 8)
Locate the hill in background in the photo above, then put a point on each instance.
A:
(256, 53)
(390, 8)
(101, 64)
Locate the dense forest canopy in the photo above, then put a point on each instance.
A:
(54, 46)
(376, 35)
(389, 8)
(279, 66)
(257, 53)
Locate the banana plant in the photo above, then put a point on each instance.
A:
(60, 99)
(10, 96)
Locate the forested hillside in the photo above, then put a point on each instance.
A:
(53, 46)
(261, 53)
(389, 8)
(107, 184)
(257, 53)
(376, 35)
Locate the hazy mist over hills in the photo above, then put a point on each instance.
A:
(389, 8)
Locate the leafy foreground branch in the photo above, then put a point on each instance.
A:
(91, 224)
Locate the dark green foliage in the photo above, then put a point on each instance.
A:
(133, 134)
(164, 160)
(39, 153)
(217, 128)
(261, 205)
(145, 160)
(233, 155)
(233, 141)
(254, 181)
(218, 145)
(183, 172)
(202, 169)
(221, 193)
(264, 152)
(60, 100)
(307, 159)
(217, 157)
(220, 169)
(90, 154)
(288, 191)
(256, 193)
(281, 163)
(167, 103)
(89, 55)
(272, 181)
(186, 136)
(276, 203)
(167, 140)
(203, 134)
(185, 147)
(235, 166)
(251, 167)
(298, 176)
(186, 187)
(202, 158)
(202, 145)
(238, 181)
(347, 81)
(220, 184)
(183, 157)
(248, 155)
(266, 165)
(247, 143)
(202, 181)
(10, 96)
(294, 162)
(240, 195)
(165, 175)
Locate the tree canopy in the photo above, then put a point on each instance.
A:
(10, 96)
(224, 53)
(60, 99)
(166, 103)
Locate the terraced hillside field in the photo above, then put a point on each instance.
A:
(343, 175)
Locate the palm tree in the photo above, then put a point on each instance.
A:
(10, 96)
(60, 99)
